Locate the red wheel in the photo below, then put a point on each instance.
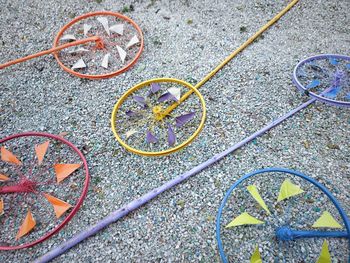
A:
(43, 181)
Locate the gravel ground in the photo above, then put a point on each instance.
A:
(184, 40)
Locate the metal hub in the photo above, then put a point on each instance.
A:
(157, 112)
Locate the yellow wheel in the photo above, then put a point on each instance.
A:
(141, 124)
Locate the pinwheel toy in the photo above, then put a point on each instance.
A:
(281, 215)
(330, 83)
(133, 205)
(43, 181)
(159, 116)
(95, 45)
(325, 72)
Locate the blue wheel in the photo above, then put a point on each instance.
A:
(281, 215)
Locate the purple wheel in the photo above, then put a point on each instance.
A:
(325, 78)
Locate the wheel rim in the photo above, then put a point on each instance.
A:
(45, 227)
(288, 172)
(118, 69)
(145, 86)
(329, 72)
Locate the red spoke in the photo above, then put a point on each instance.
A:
(6, 215)
(19, 173)
(32, 165)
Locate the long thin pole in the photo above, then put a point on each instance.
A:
(297, 234)
(121, 212)
(51, 50)
(231, 56)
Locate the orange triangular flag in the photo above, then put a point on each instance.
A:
(63, 170)
(1, 207)
(40, 151)
(9, 157)
(3, 178)
(58, 205)
(27, 225)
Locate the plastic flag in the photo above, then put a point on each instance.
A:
(288, 189)
(255, 194)
(244, 219)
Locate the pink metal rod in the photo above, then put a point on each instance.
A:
(121, 212)
(24, 186)
(12, 189)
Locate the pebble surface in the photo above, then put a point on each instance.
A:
(185, 40)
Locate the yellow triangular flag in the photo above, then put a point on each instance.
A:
(325, 256)
(288, 189)
(326, 220)
(244, 219)
(255, 194)
(256, 258)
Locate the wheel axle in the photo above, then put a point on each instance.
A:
(24, 186)
(285, 233)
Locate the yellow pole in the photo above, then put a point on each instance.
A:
(233, 54)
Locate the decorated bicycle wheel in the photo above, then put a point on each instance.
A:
(325, 77)
(281, 215)
(149, 130)
(120, 46)
(142, 126)
(95, 45)
(43, 182)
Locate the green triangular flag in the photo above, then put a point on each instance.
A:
(244, 219)
(256, 258)
(325, 256)
(326, 220)
(288, 189)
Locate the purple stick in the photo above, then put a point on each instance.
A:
(113, 217)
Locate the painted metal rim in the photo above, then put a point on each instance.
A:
(81, 198)
(312, 94)
(101, 76)
(141, 85)
(280, 170)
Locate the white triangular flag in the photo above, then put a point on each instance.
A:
(119, 29)
(68, 37)
(132, 41)
(79, 64)
(129, 133)
(87, 28)
(105, 60)
(80, 49)
(122, 53)
(176, 92)
(104, 22)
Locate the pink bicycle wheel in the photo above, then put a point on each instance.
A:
(43, 181)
